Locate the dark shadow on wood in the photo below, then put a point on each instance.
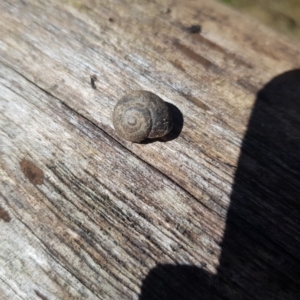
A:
(260, 257)
(178, 121)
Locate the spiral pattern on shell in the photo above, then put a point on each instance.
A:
(140, 115)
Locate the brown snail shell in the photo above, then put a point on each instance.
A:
(140, 115)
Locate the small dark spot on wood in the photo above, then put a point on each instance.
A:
(175, 248)
(93, 80)
(194, 29)
(32, 172)
(40, 295)
(4, 215)
(166, 10)
(176, 63)
(111, 20)
(203, 265)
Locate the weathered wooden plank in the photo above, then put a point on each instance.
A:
(82, 194)
(87, 215)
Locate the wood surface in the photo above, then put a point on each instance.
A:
(210, 212)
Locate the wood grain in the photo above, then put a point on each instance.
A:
(86, 215)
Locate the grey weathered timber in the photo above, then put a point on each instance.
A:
(212, 212)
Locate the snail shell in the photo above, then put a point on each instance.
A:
(140, 115)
